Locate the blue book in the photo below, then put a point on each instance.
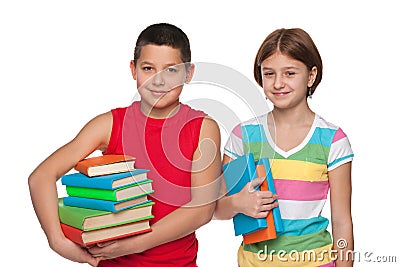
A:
(276, 213)
(106, 205)
(237, 174)
(109, 182)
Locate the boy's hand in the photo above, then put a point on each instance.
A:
(74, 252)
(252, 202)
(112, 249)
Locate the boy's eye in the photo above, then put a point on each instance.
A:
(171, 70)
(147, 68)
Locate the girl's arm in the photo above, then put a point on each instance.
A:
(206, 170)
(342, 225)
(42, 184)
(253, 203)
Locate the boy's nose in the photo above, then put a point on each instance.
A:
(158, 79)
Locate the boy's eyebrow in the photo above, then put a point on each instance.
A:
(146, 63)
(164, 65)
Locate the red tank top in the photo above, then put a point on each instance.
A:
(166, 148)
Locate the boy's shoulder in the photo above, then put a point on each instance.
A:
(191, 110)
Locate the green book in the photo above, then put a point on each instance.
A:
(89, 219)
(127, 192)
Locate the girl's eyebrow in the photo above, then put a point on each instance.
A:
(285, 68)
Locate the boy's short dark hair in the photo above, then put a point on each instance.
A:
(164, 34)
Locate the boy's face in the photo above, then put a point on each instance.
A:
(160, 75)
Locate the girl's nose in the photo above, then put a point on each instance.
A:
(279, 82)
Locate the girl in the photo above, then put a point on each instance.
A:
(166, 137)
(308, 156)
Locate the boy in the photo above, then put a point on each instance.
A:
(166, 137)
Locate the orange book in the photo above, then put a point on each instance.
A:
(269, 232)
(106, 164)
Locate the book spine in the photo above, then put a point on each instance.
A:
(73, 234)
(89, 203)
(69, 217)
(91, 193)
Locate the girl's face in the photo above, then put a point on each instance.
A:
(160, 75)
(285, 80)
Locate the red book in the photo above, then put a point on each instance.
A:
(86, 238)
(106, 164)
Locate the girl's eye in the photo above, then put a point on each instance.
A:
(290, 73)
(267, 74)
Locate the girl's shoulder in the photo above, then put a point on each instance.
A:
(322, 123)
(261, 119)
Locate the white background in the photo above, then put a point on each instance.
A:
(64, 62)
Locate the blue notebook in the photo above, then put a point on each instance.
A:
(109, 182)
(106, 205)
(237, 174)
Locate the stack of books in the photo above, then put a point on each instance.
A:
(107, 200)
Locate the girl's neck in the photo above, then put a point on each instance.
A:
(293, 117)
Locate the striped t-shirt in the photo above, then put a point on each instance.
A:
(301, 181)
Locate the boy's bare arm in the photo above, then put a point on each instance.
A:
(184, 220)
(42, 183)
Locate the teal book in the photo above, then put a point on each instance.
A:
(106, 205)
(88, 219)
(109, 182)
(123, 193)
(237, 174)
(276, 213)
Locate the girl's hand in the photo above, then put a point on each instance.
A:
(252, 202)
(74, 252)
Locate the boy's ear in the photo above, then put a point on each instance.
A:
(189, 73)
(133, 69)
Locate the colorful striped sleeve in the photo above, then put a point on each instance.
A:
(340, 151)
(234, 145)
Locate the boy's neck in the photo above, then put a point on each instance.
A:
(160, 113)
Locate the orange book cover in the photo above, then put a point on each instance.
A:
(106, 164)
(269, 232)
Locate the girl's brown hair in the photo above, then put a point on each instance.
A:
(294, 43)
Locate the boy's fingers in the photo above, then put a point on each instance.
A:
(104, 244)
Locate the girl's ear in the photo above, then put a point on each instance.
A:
(189, 73)
(312, 76)
(133, 70)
